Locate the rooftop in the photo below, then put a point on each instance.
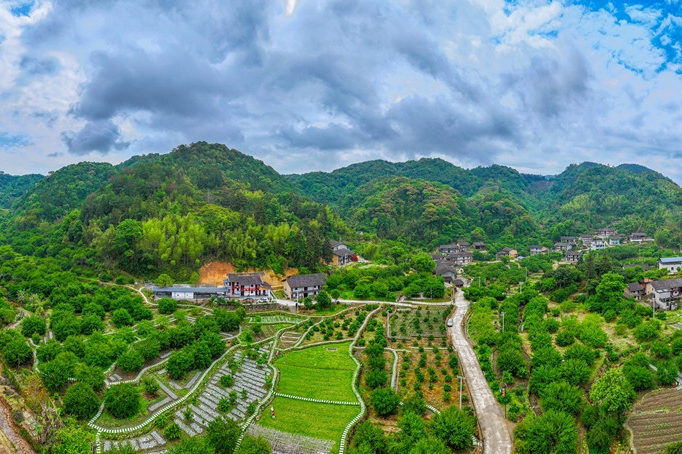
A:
(670, 260)
(306, 280)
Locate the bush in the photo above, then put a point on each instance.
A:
(226, 381)
(151, 386)
(81, 401)
(385, 401)
(454, 427)
(172, 431)
(130, 361)
(122, 401)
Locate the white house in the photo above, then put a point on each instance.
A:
(672, 264)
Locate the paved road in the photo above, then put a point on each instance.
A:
(496, 436)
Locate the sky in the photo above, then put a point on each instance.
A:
(319, 84)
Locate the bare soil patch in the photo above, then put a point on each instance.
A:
(215, 272)
(656, 421)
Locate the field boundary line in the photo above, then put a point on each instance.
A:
(317, 401)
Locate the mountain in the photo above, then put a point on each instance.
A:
(12, 187)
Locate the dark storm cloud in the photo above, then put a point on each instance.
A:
(102, 136)
(169, 84)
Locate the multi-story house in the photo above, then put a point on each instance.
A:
(302, 285)
(664, 295)
(672, 264)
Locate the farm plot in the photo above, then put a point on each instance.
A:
(323, 372)
(272, 319)
(656, 421)
(289, 338)
(342, 326)
(418, 322)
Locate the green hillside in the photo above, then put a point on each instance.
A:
(12, 187)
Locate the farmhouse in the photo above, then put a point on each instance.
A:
(463, 245)
(573, 256)
(460, 258)
(242, 285)
(568, 239)
(478, 245)
(597, 244)
(189, 292)
(585, 239)
(559, 247)
(664, 294)
(507, 252)
(616, 240)
(445, 249)
(606, 233)
(535, 249)
(447, 271)
(672, 264)
(302, 285)
(637, 237)
(635, 290)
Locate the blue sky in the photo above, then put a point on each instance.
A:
(318, 84)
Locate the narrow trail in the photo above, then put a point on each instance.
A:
(8, 429)
(496, 436)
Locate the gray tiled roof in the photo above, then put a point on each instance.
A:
(306, 280)
(250, 279)
(667, 284)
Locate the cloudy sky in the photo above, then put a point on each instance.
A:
(318, 84)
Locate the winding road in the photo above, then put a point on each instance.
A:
(496, 436)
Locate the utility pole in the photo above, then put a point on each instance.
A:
(502, 314)
(461, 380)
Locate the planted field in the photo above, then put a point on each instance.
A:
(656, 421)
(419, 322)
(323, 372)
(322, 421)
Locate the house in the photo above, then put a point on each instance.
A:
(635, 290)
(664, 295)
(478, 245)
(189, 292)
(507, 252)
(672, 264)
(243, 285)
(637, 237)
(342, 257)
(302, 285)
(535, 250)
(585, 239)
(460, 258)
(463, 245)
(458, 283)
(436, 257)
(447, 271)
(446, 249)
(615, 240)
(573, 256)
(560, 247)
(597, 244)
(606, 233)
(337, 245)
(568, 239)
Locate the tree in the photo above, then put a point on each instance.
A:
(151, 386)
(385, 401)
(91, 323)
(130, 361)
(335, 294)
(121, 317)
(562, 396)
(149, 348)
(167, 305)
(376, 378)
(323, 300)
(122, 401)
(430, 445)
(17, 352)
(33, 324)
(164, 280)
(308, 302)
(72, 440)
(454, 427)
(674, 448)
(575, 371)
(55, 374)
(613, 391)
(81, 401)
(222, 435)
(90, 375)
(552, 433)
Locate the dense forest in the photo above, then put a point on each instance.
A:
(169, 213)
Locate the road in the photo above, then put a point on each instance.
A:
(496, 436)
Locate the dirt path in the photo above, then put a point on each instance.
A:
(11, 441)
(496, 436)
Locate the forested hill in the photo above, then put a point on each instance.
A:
(169, 213)
(581, 198)
(12, 187)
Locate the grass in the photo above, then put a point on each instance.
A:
(322, 421)
(318, 373)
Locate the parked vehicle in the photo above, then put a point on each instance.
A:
(450, 322)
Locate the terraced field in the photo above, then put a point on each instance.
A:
(656, 421)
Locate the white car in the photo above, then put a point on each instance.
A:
(450, 322)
